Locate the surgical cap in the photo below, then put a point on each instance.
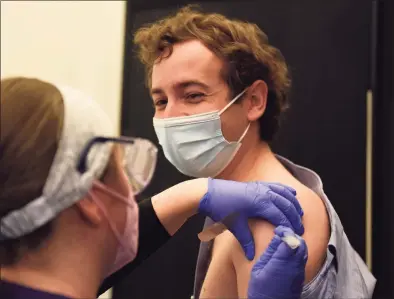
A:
(65, 185)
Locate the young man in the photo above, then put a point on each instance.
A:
(219, 89)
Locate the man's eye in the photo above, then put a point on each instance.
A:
(160, 103)
(195, 96)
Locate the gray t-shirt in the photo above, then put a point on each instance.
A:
(343, 274)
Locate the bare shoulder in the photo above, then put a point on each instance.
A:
(317, 232)
(317, 228)
(315, 220)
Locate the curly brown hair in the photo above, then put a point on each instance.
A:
(242, 46)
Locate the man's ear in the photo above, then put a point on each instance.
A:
(257, 95)
(90, 211)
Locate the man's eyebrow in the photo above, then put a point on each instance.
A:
(182, 85)
(189, 83)
(156, 91)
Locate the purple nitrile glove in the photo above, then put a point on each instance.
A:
(280, 271)
(274, 203)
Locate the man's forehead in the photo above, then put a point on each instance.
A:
(189, 61)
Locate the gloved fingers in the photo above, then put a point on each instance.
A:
(285, 251)
(283, 187)
(289, 211)
(288, 236)
(241, 231)
(282, 231)
(268, 253)
(302, 251)
(204, 205)
(271, 213)
(287, 193)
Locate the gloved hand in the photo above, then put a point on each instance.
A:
(280, 271)
(275, 203)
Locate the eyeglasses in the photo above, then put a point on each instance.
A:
(139, 158)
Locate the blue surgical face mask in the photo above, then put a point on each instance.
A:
(195, 144)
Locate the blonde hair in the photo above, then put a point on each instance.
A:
(243, 46)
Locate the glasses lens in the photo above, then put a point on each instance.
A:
(140, 160)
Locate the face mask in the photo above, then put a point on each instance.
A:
(128, 241)
(195, 144)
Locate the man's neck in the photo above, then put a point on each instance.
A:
(248, 162)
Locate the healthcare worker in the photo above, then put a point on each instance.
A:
(67, 210)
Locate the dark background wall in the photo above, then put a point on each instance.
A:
(327, 45)
(383, 203)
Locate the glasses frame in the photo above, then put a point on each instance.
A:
(81, 166)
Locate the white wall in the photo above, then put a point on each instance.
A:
(79, 43)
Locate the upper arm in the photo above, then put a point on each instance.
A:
(316, 237)
(229, 272)
(220, 280)
(262, 232)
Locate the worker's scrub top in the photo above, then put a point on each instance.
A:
(10, 290)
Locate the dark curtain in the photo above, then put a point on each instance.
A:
(327, 45)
